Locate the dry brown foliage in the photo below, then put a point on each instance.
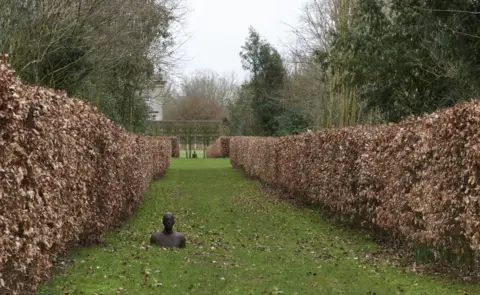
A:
(175, 146)
(67, 175)
(220, 148)
(418, 179)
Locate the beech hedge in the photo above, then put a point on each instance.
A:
(175, 146)
(67, 175)
(418, 179)
(220, 148)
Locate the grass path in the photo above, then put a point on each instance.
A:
(238, 242)
(183, 153)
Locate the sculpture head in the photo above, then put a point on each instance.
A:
(168, 220)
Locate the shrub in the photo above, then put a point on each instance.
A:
(67, 175)
(418, 179)
(175, 146)
(220, 148)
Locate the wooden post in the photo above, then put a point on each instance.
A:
(204, 147)
(190, 147)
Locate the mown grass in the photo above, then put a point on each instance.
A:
(183, 153)
(239, 241)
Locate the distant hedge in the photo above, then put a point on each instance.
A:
(419, 178)
(175, 146)
(220, 148)
(67, 175)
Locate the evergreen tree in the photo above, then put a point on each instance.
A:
(410, 57)
(267, 79)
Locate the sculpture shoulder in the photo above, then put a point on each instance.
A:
(172, 240)
(154, 237)
(181, 239)
(179, 235)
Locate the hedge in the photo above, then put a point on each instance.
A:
(67, 175)
(220, 148)
(418, 179)
(175, 146)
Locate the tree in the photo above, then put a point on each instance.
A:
(103, 51)
(263, 106)
(193, 108)
(241, 121)
(266, 82)
(316, 86)
(210, 85)
(410, 57)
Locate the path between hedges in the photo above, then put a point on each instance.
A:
(239, 242)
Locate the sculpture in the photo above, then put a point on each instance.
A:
(168, 238)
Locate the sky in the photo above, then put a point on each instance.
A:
(218, 29)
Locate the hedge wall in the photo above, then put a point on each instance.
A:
(418, 179)
(67, 175)
(220, 148)
(175, 146)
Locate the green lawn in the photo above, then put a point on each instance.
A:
(238, 242)
(183, 153)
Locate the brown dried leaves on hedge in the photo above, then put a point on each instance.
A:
(220, 148)
(418, 178)
(175, 146)
(67, 175)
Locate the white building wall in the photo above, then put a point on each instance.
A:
(154, 98)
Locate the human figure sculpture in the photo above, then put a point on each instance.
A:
(194, 155)
(168, 238)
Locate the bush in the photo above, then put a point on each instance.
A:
(67, 175)
(418, 179)
(220, 148)
(175, 146)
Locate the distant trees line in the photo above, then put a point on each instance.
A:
(102, 51)
(360, 61)
(353, 62)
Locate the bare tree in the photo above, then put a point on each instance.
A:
(96, 49)
(210, 85)
(312, 86)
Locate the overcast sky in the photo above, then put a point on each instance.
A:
(218, 29)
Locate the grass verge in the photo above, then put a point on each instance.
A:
(183, 153)
(239, 241)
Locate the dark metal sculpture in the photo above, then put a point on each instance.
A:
(167, 238)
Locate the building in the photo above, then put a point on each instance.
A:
(154, 96)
